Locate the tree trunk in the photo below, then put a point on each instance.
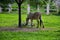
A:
(57, 6)
(0, 9)
(37, 8)
(57, 9)
(48, 8)
(19, 7)
(28, 9)
(9, 8)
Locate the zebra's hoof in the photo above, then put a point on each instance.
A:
(43, 26)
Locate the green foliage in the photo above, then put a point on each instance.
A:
(34, 3)
(6, 1)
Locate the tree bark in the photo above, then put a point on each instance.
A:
(48, 8)
(19, 2)
(19, 10)
(57, 7)
(37, 8)
(28, 9)
(0, 9)
(9, 8)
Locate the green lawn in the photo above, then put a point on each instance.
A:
(8, 19)
(39, 35)
(11, 20)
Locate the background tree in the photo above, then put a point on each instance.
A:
(36, 4)
(57, 2)
(19, 3)
(4, 3)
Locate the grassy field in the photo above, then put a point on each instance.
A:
(11, 20)
(8, 19)
(39, 35)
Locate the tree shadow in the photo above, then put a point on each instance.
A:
(57, 14)
(57, 31)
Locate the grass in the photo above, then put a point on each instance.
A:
(11, 20)
(8, 19)
(39, 35)
(49, 21)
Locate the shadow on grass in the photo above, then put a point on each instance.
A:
(57, 31)
(57, 14)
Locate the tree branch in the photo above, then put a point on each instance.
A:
(16, 1)
(19, 1)
(22, 1)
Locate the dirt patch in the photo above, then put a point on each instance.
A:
(23, 29)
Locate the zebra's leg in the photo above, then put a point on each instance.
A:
(27, 19)
(41, 23)
(37, 23)
(31, 22)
